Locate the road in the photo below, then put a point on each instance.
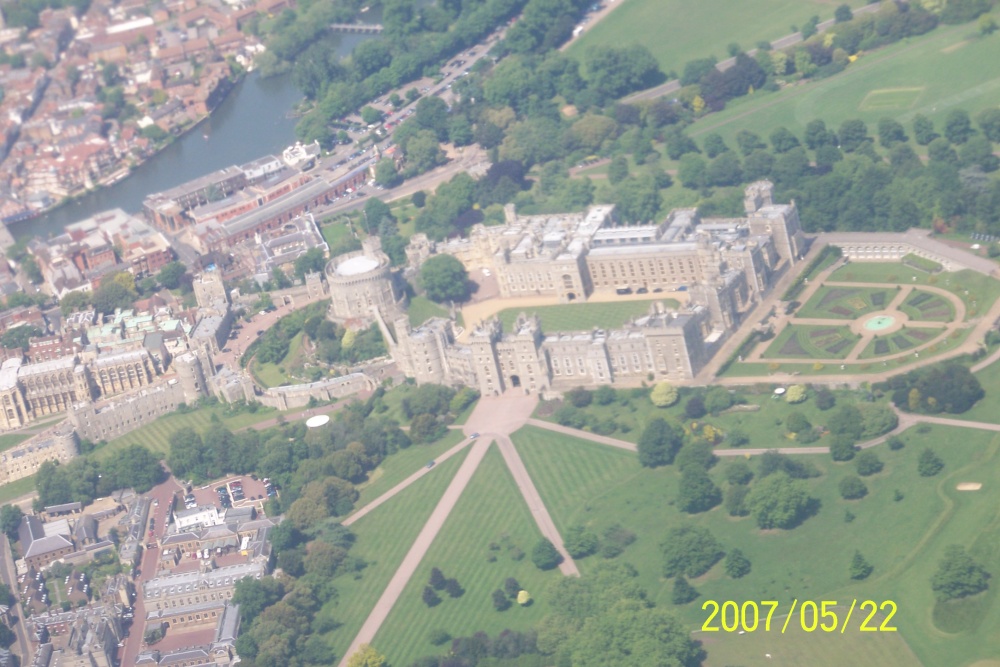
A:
(535, 505)
(388, 495)
(722, 66)
(419, 549)
(493, 419)
(9, 574)
(162, 496)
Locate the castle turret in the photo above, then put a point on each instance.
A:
(191, 377)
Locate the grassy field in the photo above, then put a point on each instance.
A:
(334, 234)
(976, 290)
(275, 375)
(930, 75)
(797, 647)
(586, 483)
(583, 316)
(760, 418)
(490, 512)
(986, 409)
(800, 341)
(422, 309)
(382, 539)
(402, 464)
(12, 439)
(676, 31)
(12, 490)
(156, 436)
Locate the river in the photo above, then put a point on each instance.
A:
(251, 122)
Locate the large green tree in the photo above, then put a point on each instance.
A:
(689, 550)
(778, 501)
(659, 443)
(444, 279)
(958, 575)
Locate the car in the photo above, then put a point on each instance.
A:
(221, 489)
(473, 436)
(260, 332)
(657, 290)
(430, 464)
(682, 288)
(642, 290)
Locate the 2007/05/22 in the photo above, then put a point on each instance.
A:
(741, 615)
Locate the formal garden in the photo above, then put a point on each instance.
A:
(869, 317)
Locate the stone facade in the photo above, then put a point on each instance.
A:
(360, 281)
(722, 264)
(58, 444)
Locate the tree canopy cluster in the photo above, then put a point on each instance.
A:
(84, 478)
(947, 387)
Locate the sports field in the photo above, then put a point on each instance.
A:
(583, 316)
(925, 75)
(676, 31)
(477, 546)
(903, 539)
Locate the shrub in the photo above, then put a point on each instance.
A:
(860, 568)
(500, 601)
(580, 542)
(438, 637)
(545, 556)
(737, 565)
(852, 488)
(796, 394)
(683, 591)
(895, 443)
(868, 463)
(663, 395)
(929, 464)
(453, 588)
(511, 587)
(430, 598)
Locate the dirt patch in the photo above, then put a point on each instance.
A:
(840, 310)
(920, 335)
(972, 486)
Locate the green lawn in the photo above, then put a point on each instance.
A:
(976, 290)
(800, 341)
(583, 316)
(586, 483)
(676, 31)
(12, 490)
(422, 309)
(797, 647)
(845, 303)
(490, 512)
(930, 75)
(986, 409)
(156, 436)
(334, 234)
(275, 375)
(402, 464)
(760, 418)
(382, 539)
(12, 439)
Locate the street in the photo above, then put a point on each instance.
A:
(9, 573)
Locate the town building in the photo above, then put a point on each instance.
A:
(108, 242)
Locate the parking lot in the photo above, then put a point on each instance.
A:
(254, 492)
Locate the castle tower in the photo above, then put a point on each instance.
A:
(779, 221)
(191, 377)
